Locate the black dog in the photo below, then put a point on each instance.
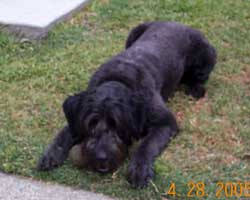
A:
(125, 100)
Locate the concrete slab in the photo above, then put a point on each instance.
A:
(15, 188)
(33, 19)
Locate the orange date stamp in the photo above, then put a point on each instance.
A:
(223, 190)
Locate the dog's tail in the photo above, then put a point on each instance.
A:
(136, 32)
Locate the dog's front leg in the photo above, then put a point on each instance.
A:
(162, 126)
(141, 166)
(57, 152)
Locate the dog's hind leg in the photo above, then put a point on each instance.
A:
(200, 62)
(57, 152)
(136, 33)
(162, 128)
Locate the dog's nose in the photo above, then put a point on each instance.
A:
(101, 156)
(102, 159)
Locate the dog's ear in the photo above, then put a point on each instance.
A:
(71, 106)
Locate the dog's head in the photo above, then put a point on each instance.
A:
(103, 150)
(104, 118)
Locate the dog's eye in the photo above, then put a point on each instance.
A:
(111, 123)
(92, 122)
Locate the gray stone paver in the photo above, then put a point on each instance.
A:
(33, 19)
(16, 188)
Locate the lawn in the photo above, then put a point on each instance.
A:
(214, 143)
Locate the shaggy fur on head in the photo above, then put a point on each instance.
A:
(125, 101)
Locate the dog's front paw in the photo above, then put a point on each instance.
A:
(197, 91)
(140, 173)
(52, 158)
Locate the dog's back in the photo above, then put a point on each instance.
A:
(165, 52)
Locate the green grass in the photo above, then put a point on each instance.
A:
(215, 136)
